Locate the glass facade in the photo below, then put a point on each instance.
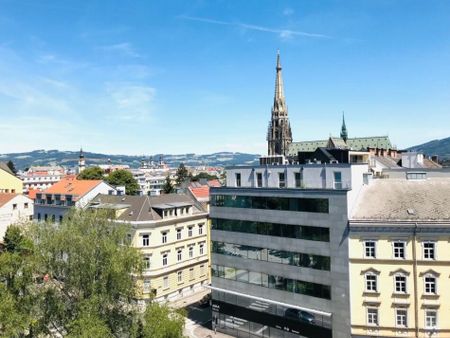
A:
(272, 281)
(319, 205)
(269, 255)
(273, 229)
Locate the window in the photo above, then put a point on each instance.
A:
(202, 270)
(146, 285)
(416, 176)
(371, 282)
(337, 180)
(164, 259)
(429, 251)
(146, 240)
(164, 237)
(372, 316)
(298, 179)
(313, 233)
(191, 251)
(39, 216)
(60, 218)
(430, 284)
(14, 206)
(400, 284)
(178, 234)
(319, 205)
(53, 218)
(191, 273)
(200, 229)
(25, 205)
(401, 316)
(179, 255)
(259, 180)
(190, 231)
(430, 319)
(165, 282)
(399, 249)
(180, 276)
(369, 249)
(281, 180)
(146, 262)
(202, 249)
(238, 179)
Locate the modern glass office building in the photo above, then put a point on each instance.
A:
(279, 250)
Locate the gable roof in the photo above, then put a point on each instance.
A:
(6, 197)
(141, 208)
(200, 193)
(355, 143)
(5, 167)
(69, 185)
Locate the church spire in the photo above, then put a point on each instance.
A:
(279, 135)
(279, 103)
(344, 134)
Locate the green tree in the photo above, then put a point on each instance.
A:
(11, 166)
(124, 178)
(77, 280)
(204, 175)
(168, 187)
(182, 175)
(160, 321)
(91, 173)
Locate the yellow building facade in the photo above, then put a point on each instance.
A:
(9, 183)
(172, 233)
(399, 260)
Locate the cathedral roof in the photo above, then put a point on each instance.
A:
(355, 143)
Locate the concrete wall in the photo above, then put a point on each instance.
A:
(315, 176)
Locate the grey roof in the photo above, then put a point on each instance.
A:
(388, 162)
(5, 167)
(141, 208)
(402, 199)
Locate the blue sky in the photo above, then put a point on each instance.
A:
(144, 77)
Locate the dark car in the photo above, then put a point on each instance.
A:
(300, 315)
(204, 302)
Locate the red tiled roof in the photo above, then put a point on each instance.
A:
(69, 185)
(6, 197)
(200, 192)
(214, 183)
(32, 193)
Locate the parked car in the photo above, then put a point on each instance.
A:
(300, 315)
(204, 302)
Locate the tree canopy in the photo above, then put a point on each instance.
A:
(182, 174)
(91, 173)
(77, 279)
(11, 166)
(168, 187)
(204, 175)
(125, 178)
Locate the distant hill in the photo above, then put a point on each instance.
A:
(435, 147)
(70, 159)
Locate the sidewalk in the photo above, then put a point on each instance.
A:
(203, 332)
(191, 299)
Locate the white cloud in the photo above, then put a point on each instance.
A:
(124, 48)
(130, 101)
(282, 33)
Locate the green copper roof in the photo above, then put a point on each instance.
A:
(355, 143)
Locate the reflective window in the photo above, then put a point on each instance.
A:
(319, 205)
(272, 281)
(273, 229)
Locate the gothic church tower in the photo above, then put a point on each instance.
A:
(279, 135)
